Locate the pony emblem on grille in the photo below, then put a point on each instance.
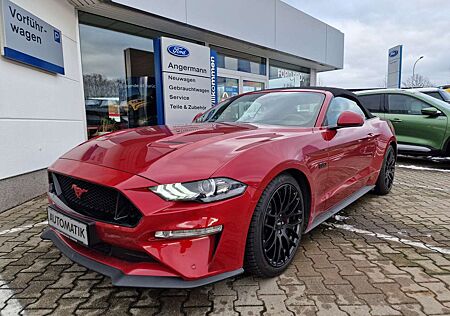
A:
(78, 191)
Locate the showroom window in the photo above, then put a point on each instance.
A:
(282, 75)
(237, 61)
(118, 74)
(227, 87)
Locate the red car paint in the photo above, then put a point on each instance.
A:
(133, 160)
(350, 119)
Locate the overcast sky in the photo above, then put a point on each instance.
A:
(372, 27)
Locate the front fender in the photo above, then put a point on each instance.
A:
(258, 166)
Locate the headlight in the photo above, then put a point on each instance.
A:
(209, 190)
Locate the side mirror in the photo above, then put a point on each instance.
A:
(431, 111)
(349, 119)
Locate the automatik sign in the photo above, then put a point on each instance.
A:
(188, 75)
(30, 40)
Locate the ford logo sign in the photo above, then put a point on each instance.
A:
(177, 50)
(393, 53)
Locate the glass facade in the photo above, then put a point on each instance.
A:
(119, 75)
(118, 78)
(237, 61)
(251, 86)
(227, 87)
(282, 75)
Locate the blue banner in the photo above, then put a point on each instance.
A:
(213, 60)
(158, 82)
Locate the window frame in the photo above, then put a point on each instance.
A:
(238, 55)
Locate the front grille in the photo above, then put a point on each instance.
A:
(95, 201)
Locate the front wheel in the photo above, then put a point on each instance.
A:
(387, 172)
(276, 228)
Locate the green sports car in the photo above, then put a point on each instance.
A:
(421, 122)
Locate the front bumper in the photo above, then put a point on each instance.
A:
(192, 261)
(118, 278)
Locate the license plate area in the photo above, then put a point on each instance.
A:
(73, 228)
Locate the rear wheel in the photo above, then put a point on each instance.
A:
(276, 227)
(387, 172)
(447, 148)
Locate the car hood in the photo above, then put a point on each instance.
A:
(167, 154)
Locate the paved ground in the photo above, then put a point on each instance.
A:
(381, 256)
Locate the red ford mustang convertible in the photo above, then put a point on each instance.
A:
(184, 206)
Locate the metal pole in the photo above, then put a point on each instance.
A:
(414, 69)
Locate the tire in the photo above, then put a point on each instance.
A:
(386, 177)
(276, 228)
(447, 148)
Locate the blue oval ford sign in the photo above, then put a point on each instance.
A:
(393, 53)
(177, 50)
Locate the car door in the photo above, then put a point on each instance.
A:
(350, 152)
(415, 132)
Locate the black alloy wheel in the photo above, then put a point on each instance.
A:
(276, 227)
(389, 169)
(282, 225)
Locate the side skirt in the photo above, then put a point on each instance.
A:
(338, 207)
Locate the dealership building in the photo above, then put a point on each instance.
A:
(74, 69)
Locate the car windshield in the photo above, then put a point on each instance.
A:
(445, 95)
(434, 94)
(433, 100)
(272, 108)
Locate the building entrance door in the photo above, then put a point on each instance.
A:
(140, 88)
(251, 85)
(231, 83)
(227, 87)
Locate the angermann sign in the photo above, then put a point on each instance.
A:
(188, 79)
(28, 39)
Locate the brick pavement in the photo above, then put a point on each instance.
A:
(336, 272)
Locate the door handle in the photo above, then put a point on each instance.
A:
(396, 120)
